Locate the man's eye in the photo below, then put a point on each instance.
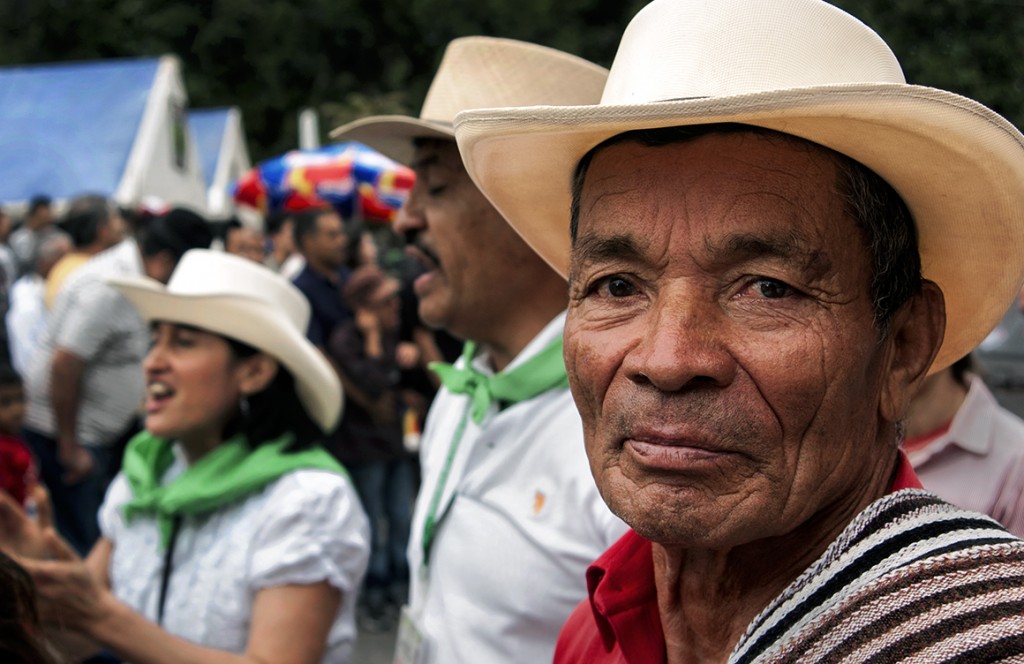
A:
(436, 190)
(615, 287)
(772, 288)
(619, 287)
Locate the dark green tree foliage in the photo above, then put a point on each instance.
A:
(348, 58)
(972, 47)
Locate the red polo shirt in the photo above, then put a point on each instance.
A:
(620, 624)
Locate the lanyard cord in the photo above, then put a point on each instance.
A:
(165, 574)
(430, 525)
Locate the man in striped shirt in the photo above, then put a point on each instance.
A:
(770, 240)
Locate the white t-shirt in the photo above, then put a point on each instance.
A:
(305, 527)
(26, 320)
(520, 521)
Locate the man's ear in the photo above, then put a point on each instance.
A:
(915, 334)
(256, 373)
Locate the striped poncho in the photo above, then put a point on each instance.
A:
(911, 579)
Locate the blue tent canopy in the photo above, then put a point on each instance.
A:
(69, 128)
(208, 128)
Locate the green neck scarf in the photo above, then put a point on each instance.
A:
(542, 372)
(224, 475)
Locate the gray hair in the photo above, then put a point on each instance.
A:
(886, 224)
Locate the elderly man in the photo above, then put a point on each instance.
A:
(770, 234)
(508, 518)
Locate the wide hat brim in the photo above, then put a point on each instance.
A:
(958, 165)
(253, 322)
(393, 136)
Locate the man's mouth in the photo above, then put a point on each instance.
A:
(423, 255)
(679, 450)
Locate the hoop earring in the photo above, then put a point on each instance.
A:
(243, 407)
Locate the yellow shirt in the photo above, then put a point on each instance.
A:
(64, 267)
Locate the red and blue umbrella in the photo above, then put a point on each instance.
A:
(355, 179)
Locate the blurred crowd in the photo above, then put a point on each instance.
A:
(73, 376)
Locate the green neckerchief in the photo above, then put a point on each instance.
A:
(224, 475)
(542, 372)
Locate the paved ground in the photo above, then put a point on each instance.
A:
(376, 648)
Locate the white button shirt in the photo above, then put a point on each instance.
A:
(519, 522)
(305, 527)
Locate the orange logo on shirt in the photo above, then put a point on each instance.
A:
(538, 502)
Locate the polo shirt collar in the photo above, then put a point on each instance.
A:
(971, 428)
(624, 600)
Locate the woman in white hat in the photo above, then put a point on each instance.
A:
(228, 530)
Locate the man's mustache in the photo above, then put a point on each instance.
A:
(414, 238)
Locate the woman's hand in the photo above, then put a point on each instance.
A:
(69, 594)
(21, 536)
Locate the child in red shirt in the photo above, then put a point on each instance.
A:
(18, 471)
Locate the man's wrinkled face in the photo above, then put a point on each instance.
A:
(720, 341)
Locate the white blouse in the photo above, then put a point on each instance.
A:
(305, 527)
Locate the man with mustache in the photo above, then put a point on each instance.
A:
(508, 517)
(770, 239)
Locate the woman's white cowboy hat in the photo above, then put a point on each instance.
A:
(801, 67)
(243, 300)
(481, 72)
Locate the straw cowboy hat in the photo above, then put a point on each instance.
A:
(804, 68)
(240, 299)
(481, 72)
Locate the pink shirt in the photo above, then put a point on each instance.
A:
(978, 464)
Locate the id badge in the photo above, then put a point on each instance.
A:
(412, 645)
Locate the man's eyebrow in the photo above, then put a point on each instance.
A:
(597, 249)
(791, 247)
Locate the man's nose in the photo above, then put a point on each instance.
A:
(410, 217)
(684, 346)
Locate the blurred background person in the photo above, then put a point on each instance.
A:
(84, 383)
(18, 471)
(93, 224)
(282, 257)
(244, 241)
(27, 314)
(323, 241)
(369, 441)
(965, 447)
(8, 262)
(230, 529)
(8, 273)
(36, 227)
